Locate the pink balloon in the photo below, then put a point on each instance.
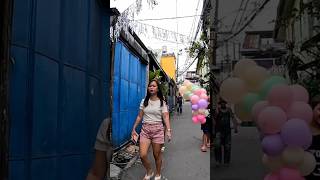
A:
(290, 174)
(203, 120)
(203, 91)
(201, 117)
(271, 119)
(194, 99)
(257, 108)
(195, 119)
(299, 93)
(203, 96)
(280, 95)
(272, 176)
(300, 110)
(197, 92)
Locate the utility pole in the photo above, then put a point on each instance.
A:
(213, 47)
(228, 59)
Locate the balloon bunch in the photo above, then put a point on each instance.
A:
(282, 115)
(199, 100)
(244, 89)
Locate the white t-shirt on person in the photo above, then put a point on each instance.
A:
(153, 112)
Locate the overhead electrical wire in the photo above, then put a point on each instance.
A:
(249, 21)
(235, 19)
(167, 18)
(188, 66)
(192, 42)
(164, 29)
(243, 12)
(194, 20)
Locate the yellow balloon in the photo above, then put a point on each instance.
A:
(186, 82)
(233, 90)
(242, 65)
(273, 163)
(254, 76)
(194, 113)
(182, 89)
(293, 156)
(241, 114)
(202, 111)
(189, 86)
(308, 165)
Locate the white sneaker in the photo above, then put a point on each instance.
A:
(163, 148)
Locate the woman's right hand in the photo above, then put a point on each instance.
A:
(134, 133)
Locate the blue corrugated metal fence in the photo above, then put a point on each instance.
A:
(129, 88)
(59, 87)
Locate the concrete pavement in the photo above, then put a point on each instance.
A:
(246, 158)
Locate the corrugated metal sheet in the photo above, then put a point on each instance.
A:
(129, 87)
(59, 87)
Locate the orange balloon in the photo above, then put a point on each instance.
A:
(254, 77)
(273, 163)
(293, 156)
(241, 114)
(242, 65)
(308, 165)
(233, 90)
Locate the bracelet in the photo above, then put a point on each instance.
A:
(169, 130)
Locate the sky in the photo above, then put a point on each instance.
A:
(228, 10)
(164, 9)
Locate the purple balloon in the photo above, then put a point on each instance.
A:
(272, 145)
(202, 103)
(195, 107)
(296, 133)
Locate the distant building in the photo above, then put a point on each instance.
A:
(298, 26)
(168, 64)
(263, 49)
(192, 77)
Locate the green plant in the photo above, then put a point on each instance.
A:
(312, 85)
(155, 75)
(164, 86)
(199, 50)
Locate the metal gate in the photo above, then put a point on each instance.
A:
(129, 81)
(59, 84)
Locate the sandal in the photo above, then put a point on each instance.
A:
(203, 149)
(157, 177)
(148, 177)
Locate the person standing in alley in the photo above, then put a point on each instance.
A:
(152, 109)
(179, 104)
(206, 129)
(223, 117)
(103, 153)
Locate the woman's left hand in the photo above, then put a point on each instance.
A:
(169, 135)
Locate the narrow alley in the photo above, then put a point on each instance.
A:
(184, 160)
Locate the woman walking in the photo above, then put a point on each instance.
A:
(152, 109)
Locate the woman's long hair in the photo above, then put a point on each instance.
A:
(159, 95)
